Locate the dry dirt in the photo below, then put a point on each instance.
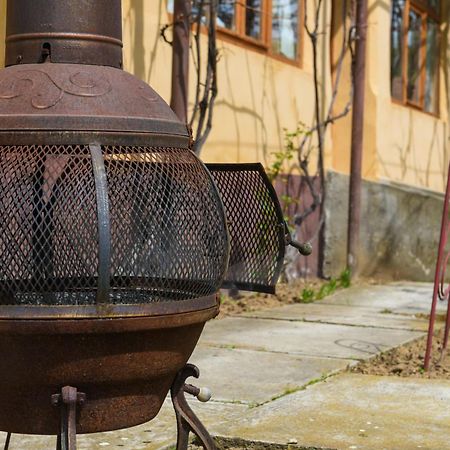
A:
(285, 294)
(241, 444)
(408, 360)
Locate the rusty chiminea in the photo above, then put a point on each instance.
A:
(113, 237)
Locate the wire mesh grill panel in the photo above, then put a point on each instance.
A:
(144, 224)
(255, 223)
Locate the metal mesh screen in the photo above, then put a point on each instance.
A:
(256, 226)
(123, 225)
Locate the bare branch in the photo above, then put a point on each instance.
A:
(204, 108)
(305, 148)
(198, 23)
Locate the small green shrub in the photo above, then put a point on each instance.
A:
(345, 278)
(307, 295)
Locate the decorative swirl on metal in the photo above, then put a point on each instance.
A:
(46, 92)
(147, 94)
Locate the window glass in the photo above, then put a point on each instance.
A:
(285, 27)
(414, 43)
(435, 4)
(431, 67)
(226, 14)
(397, 49)
(253, 18)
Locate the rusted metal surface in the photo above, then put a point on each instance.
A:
(125, 375)
(67, 401)
(180, 58)
(113, 238)
(80, 32)
(31, 319)
(71, 97)
(440, 290)
(187, 421)
(359, 76)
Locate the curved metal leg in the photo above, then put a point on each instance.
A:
(187, 421)
(8, 440)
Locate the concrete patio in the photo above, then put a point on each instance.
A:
(275, 378)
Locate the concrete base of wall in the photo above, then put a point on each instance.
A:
(400, 229)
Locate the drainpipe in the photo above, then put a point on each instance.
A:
(359, 72)
(180, 58)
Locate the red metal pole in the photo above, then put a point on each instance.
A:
(359, 74)
(437, 278)
(180, 58)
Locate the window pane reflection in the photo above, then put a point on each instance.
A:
(226, 14)
(435, 4)
(431, 67)
(285, 27)
(397, 49)
(253, 18)
(414, 38)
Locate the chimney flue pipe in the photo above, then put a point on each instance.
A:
(80, 32)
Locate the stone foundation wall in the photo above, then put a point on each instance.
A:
(400, 229)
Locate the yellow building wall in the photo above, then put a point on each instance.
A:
(260, 96)
(401, 144)
(410, 144)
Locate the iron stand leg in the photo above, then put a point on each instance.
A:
(8, 440)
(187, 421)
(67, 400)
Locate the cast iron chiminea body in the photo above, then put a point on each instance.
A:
(113, 236)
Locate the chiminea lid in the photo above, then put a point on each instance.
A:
(81, 98)
(64, 76)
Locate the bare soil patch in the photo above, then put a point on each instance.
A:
(241, 444)
(286, 293)
(408, 360)
(298, 291)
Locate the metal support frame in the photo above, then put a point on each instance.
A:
(180, 58)
(104, 226)
(69, 398)
(440, 291)
(187, 421)
(359, 76)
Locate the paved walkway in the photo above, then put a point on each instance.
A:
(270, 375)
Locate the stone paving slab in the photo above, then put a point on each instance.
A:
(156, 434)
(355, 412)
(344, 315)
(248, 361)
(303, 338)
(247, 376)
(400, 298)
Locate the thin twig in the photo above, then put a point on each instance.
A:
(319, 129)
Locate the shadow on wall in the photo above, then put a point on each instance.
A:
(136, 15)
(230, 97)
(421, 156)
(417, 156)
